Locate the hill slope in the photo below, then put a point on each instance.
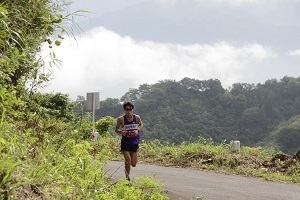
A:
(176, 111)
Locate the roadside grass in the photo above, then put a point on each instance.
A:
(55, 162)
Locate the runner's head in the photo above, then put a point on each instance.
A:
(128, 106)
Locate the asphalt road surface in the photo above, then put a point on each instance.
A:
(182, 183)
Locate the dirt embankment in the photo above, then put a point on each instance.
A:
(282, 162)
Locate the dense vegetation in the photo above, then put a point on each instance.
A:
(258, 115)
(45, 152)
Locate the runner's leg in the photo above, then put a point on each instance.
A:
(134, 158)
(127, 158)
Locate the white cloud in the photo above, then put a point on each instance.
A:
(103, 60)
(294, 53)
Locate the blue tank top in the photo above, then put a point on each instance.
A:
(129, 128)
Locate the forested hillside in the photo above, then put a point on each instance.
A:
(264, 114)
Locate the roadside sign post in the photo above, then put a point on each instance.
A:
(93, 103)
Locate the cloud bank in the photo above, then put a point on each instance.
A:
(294, 53)
(101, 60)
(230, 2)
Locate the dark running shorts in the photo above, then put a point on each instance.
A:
(129, 147)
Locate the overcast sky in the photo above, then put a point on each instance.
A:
(125, 43)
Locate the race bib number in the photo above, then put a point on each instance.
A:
(130, 128)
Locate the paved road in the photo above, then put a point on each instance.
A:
(188, 184)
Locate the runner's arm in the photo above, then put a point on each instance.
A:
(117, 129)
(139, 121)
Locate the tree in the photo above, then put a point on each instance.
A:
(109, 107)
(287, 136)
(134, 94)
(57, 105)
(23, 30)
(104, 124)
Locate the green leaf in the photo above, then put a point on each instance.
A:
(8, 173)
(3, 11)
(2, 140)
(57, 43)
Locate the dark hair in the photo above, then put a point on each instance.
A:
(128, 103)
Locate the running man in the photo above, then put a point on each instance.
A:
(129, 125)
